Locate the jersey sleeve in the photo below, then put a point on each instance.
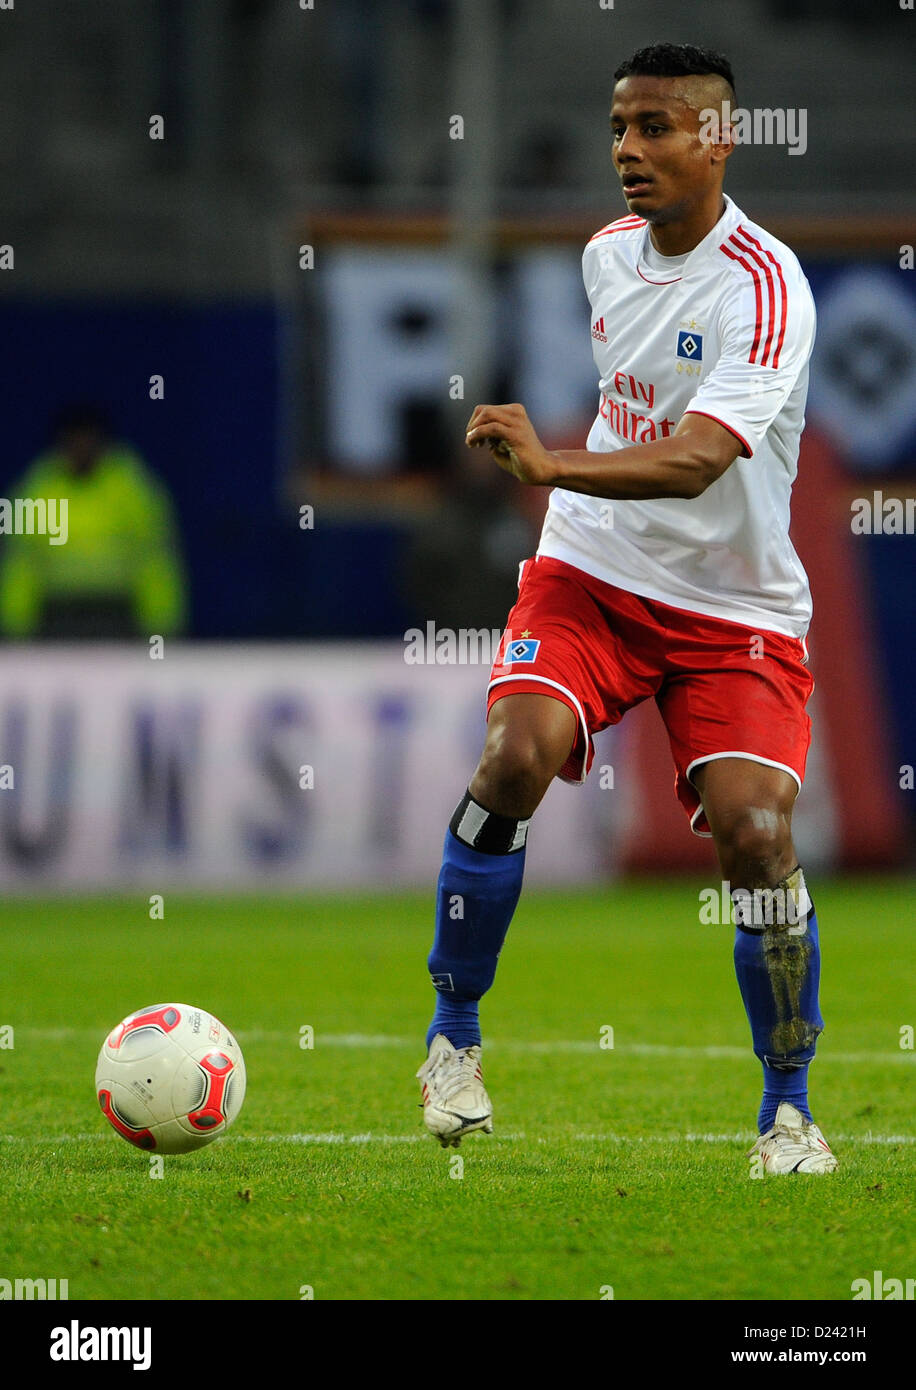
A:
(766, 333)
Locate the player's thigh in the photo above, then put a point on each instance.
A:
(529, 738)
(590, 644)
(738, 724)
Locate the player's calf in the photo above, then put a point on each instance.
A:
(748, 806)
(777, 962)
(483, 864)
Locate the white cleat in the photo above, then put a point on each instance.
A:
(454, 1099)
(794, 1145)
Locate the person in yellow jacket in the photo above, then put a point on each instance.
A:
(119, 572)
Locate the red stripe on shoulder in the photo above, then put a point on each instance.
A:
(739, 240)
(758, 293)
(623, 224)
(782, 285)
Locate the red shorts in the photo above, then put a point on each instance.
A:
(723, 689)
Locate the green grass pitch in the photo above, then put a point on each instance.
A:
(619, 1167)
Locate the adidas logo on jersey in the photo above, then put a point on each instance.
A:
(598, 330)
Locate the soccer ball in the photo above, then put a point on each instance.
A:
(170, 1078)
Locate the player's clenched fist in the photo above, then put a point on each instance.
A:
(511, 439)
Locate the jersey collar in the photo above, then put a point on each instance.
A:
(711, 241)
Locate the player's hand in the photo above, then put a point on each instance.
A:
(511, 439)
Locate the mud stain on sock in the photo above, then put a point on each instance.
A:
(786, 958)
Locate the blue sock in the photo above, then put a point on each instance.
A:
(478, 889)
(778, 970)
(771, 1101)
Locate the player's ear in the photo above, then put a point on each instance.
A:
(716, 132)
(725, 145)
(725, 133)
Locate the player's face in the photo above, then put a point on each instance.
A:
(664, 166)
(82, 445)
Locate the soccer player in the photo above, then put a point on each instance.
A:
(664, 570)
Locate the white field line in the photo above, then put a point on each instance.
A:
(333, 1138)
(530, 1046)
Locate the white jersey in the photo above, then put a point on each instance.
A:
(728, 334)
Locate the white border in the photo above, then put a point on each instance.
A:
(543, 680)
(714, 757)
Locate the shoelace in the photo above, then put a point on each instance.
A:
(453, 1071)
(795, 1136)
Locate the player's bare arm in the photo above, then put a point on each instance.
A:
(682, 465)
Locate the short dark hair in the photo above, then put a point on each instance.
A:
(81, 415)
(677, 60)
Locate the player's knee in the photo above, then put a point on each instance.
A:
(514, 772)
(755, 845)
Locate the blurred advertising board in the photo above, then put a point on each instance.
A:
(266, 767)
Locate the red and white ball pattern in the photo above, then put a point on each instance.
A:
(170, 1078)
